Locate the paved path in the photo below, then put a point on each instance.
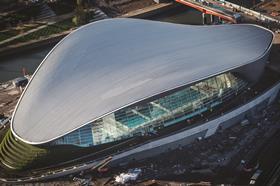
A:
(47, 22)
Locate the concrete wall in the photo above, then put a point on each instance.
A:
(162, 1)
(150, 11)
(160, 149)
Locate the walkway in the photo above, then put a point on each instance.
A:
(47, 22)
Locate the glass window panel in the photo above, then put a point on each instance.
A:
(167, 110)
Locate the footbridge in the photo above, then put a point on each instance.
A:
(210, 9)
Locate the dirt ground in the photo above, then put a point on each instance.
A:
(277, 38)
(275, 52)
(115, 8)
(271, 8)
(8, 98)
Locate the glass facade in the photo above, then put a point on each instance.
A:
(145, 118)
(81, 137)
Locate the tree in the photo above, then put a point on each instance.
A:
(80, 14)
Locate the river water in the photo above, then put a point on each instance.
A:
(11, 66)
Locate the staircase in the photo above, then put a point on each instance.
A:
(45, 12)
(97, 15)
(17, 155)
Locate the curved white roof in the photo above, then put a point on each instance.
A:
(113, 63)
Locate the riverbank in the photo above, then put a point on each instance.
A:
(33, 44)
(149, 11)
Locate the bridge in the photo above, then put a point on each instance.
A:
(210, 8)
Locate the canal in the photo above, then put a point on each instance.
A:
(13, 65)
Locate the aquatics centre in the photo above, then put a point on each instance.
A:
(131, 88)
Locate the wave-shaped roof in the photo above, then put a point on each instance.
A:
(113, 63)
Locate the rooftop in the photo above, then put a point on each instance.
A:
(110, 64)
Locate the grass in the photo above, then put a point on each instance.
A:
(8, 34)
(13, 32)
(44, 32)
